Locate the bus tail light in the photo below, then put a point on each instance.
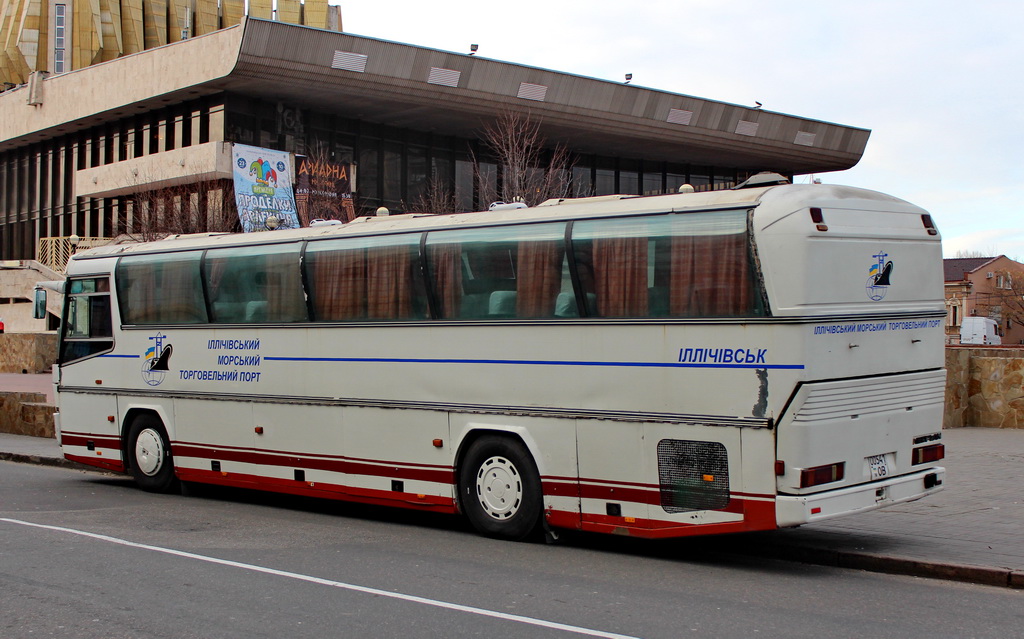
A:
(819, 219)
(926, 454)
(822, 474)
(929, 224)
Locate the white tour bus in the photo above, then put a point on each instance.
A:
(653, 366)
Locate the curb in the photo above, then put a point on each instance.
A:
(40, 460)
(983, 575)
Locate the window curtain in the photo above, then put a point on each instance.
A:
(216, 286)
(339, 285)
(539, 278)
(446, 269)
(620, 276)
(388, 283)
(179, 292)
(710, 276)
(285, 300)
(137, 289)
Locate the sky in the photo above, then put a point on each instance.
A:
(940, 84)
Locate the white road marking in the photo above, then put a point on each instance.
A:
(329, 582)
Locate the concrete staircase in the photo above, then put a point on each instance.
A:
(18, 279)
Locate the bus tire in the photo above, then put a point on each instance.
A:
(149, 454)
(500, 488)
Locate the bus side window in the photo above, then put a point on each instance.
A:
(366, 279)
(87, 329)
(679, 265)
(254, 284)
(161, 289)
(517, 271)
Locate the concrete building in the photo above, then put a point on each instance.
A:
(990, 287)
(77, 148)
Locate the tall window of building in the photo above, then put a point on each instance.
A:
(59, 33)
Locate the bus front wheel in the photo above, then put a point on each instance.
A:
(150, 455)
(500, 488)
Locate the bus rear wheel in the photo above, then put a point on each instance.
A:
(149, 453)
(500, 488)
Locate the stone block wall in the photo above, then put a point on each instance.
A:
(27, 352)
(984, 387)
(26, 414)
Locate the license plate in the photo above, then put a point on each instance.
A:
(881, 466)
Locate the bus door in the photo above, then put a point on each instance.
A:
(88, 414)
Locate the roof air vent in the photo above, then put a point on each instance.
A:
(745, 127)
(506, 206)
(679, 116)
(349, 61)
(804, 138)
(444, 77)
(764, 178)
(529, 91)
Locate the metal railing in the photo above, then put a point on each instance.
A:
(55, 252)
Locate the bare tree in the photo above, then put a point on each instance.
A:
(529, 173)
(1006, 302)
(206, 206)
(961, 253)
(436, 197)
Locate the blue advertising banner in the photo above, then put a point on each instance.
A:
(263, 189)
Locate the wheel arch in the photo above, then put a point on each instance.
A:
(132, 413)
(474, 432)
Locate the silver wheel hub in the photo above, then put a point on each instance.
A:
(149, 452)
(499, 488)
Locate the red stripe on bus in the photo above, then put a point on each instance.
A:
(600, 484)
(630, 484)
(559, 488)
(105, 442)
(757, 515)
(106, 464)
(431, 503)
(634, 495)
(336, 465)
(646, 497)
(563, 519)
(301, 454)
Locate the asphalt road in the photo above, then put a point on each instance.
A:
(88, 555)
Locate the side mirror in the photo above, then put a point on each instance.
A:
(39, 304)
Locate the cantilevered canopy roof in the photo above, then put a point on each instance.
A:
(457, 94)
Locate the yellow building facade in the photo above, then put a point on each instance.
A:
(57, 36)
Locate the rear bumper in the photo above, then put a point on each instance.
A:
(793, 510)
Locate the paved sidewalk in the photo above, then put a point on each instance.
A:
(35, 383)
(971, 531)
